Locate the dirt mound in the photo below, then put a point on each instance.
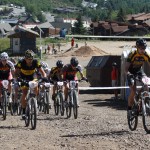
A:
(86, 51)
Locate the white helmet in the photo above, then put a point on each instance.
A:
(4, 56)
(44, 65)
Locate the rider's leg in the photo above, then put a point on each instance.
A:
(53, 94)
(131, 96)
(66, 91)
(23, 98)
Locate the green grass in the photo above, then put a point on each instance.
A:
(4, 44)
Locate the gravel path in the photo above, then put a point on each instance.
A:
(101, 125)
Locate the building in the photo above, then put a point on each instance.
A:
(22, 39)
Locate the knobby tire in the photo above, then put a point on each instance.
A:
(75, 106)
(33, 113)
(133, 119)
(146, 114)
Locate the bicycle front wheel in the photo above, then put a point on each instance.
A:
(33, 113)
(133, 117)
(27, 118)
(4, 105)
(46, 110)
(61, 103)
(69, 107)
(146, 114)
(56, 105)
(75, 106)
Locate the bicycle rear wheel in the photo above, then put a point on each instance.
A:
(133, 118)
(4, 105)
(11, 106)
(33, 113)
(75, 106)
(146, 114)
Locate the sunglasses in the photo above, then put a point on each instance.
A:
(30, 59)
(142, 48)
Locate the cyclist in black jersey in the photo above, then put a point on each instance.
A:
(135, 60)
(56, 75)
(26, 68)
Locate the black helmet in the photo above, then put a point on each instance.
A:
(141, 43)
(59, 64)
(114, 64)
(29, 54)
(74, 62)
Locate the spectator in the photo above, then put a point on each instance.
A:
(72, 43)
(48, 48)
(58, 47)
(114, 78)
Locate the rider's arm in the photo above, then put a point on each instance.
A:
(17, 73)
(42, 72)
(127, 65)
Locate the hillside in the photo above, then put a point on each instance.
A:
(106, 9)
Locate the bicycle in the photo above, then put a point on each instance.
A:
(31, 108)
(72, 102)
(5, 102)
(59, 99)
(17, 104)
(43, 97)
(141, 105)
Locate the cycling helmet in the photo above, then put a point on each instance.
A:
(74, 62)
(44, 65)
(29, 54)
(4, 56)
(114, 64)
(141, 43)
(59, 64)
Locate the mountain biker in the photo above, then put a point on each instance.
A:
(69, 72)
(7, 71)
(133, 66)
(55, 75)
(16, 86)
(25, 69)
(46, 69)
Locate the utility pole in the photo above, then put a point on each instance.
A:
(40, 46)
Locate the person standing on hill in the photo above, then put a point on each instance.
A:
(72, 43)
(48, 48)
(114, 78)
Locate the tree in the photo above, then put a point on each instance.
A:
(41, 17)
(121, 15)
(78, 26)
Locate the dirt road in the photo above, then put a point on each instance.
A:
(101, 125)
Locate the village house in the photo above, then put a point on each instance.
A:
(22, 39)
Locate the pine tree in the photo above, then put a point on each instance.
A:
(78, 26)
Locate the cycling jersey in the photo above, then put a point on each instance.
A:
(5, 71)
(137, 60)
(69, 73)
(54, 73)
(27, 72)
